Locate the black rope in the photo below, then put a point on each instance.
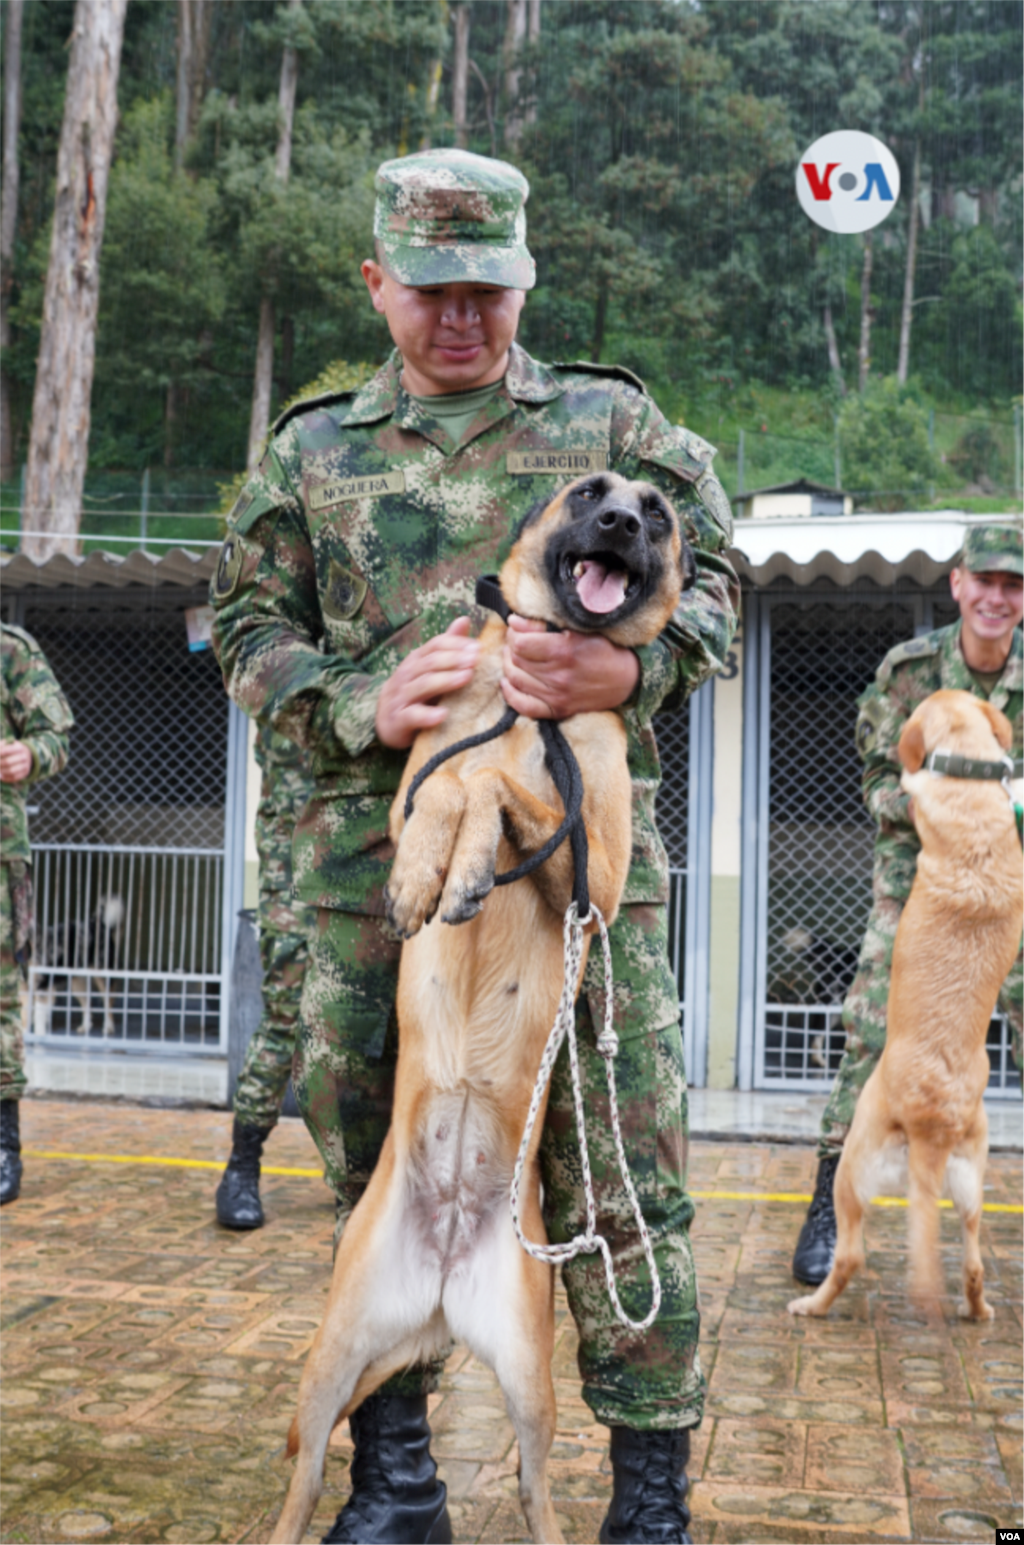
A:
(506, 722)
(565, 771)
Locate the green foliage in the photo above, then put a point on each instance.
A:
(660, 138)
(883, 437)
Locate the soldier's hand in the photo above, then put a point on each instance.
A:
(554, 675)
(15, 761)
(409, 701)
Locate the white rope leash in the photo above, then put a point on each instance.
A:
(607, 1046)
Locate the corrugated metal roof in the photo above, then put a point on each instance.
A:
(843, 548)
(178, 566)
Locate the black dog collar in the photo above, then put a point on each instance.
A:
(953, 764)
(488, 593)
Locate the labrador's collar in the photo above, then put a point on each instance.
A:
(953, 764)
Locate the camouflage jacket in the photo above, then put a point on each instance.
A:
(908, 674)
(361, 536)
(285, 786)
(33, 709)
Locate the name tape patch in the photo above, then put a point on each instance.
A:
(519, 463)
(372, 486)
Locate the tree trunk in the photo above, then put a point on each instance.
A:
(835, 363)
(59, 444)
(533, 38)
(194, 18)
(183, 89)
(515, 32)
(460, 74)
(9, 217)
(259, 419)
(907, 313)
(600, 317)
(864, 352)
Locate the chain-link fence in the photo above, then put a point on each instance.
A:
(128, 842)
(820, 837)
(973, 456)
(672, 731)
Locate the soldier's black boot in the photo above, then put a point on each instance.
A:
(649, 1488)
(10, 1151)
(816, 1247)
(396, 1495)
(238, 1195)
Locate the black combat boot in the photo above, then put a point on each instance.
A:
(816, 1247)
(238, 1195)
(396, 1495)
(649, 1488)
(10, 1152)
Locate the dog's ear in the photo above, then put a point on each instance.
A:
(1001, 727)
(911, 746)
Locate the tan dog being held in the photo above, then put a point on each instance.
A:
(922, 1109)
(430, 1251)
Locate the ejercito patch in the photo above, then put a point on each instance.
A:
(567, 463)
(229, 567)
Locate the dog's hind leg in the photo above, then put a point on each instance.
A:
(849, 1256)
(927, 1164)
(381, 1314)
(506, 1314)
(965, 1178)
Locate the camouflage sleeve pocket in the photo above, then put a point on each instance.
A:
(869, 722)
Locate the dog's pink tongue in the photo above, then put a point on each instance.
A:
(600, 589)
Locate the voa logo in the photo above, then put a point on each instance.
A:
(848, 181)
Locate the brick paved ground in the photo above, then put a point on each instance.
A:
(150, 1359)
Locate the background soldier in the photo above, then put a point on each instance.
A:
(34, 723)
(284, 926)
(980, 654)
(341, 593)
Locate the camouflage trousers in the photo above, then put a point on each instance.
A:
(344, 1081)
(864, 1020)
(284, 926)
(12, 1038)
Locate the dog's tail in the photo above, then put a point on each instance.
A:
(111, 911)
(927, 1171)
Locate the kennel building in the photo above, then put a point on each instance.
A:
(824, 599)
(137, 844)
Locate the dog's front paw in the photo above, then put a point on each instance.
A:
(410, 901)
(465, 894)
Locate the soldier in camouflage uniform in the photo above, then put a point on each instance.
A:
(34, 723)
(342, 597)
(980, 654)
(284, 928)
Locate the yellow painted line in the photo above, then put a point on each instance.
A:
(316, 1174)
(148, 1158)
(797, 1196)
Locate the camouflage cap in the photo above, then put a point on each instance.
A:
(990, 548)
(448, 216)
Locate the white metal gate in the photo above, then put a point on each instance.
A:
(684, 820)
(135, 909)
(809, 893)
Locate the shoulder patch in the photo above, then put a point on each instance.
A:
(306, 404)
(614, 372)
(911, 649)
(26, 638)
(229, 567)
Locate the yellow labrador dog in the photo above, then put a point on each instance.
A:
(922, 1109)
(430, 1252)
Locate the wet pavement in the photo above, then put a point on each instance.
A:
(150, 1358)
